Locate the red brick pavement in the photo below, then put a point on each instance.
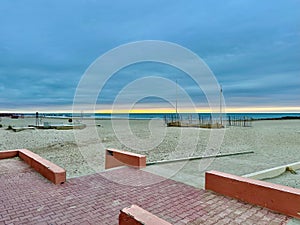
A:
(28, 198)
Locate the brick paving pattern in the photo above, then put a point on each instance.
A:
(28, 198)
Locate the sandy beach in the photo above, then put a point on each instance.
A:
(81, 152)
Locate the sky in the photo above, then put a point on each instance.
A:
(251, 46)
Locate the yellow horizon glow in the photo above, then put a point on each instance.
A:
(272, 109)
(206, 110)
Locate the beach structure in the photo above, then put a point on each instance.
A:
(18, 129)
(39, 124)
(193, 120)
(49, 170)
(206, 121)
(274, 172)
(190, 120)
(59, 126)
(239, 121)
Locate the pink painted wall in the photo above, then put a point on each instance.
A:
(115, 158)
(52, 172)
(135, 215)
(8, 154)
(283, 199)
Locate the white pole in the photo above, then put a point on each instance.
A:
(176, 99)
(221, 104)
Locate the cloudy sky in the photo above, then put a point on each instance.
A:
(251, 46)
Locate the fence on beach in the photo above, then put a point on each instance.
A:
(193, 120)
(239, 121)
(206, 121)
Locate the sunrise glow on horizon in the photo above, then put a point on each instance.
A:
(164, 110)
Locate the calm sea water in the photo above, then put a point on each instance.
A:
(162, 115)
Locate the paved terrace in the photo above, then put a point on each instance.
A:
(28, 198)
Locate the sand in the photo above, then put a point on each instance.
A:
(81, 152)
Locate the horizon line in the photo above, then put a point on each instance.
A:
(162, 110)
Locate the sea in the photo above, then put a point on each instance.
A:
(148, 116)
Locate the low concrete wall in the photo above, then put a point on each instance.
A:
(276, 197)
(46, 168)
(52, 172)
(8, 154)
(134, 215)
(116, 158)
